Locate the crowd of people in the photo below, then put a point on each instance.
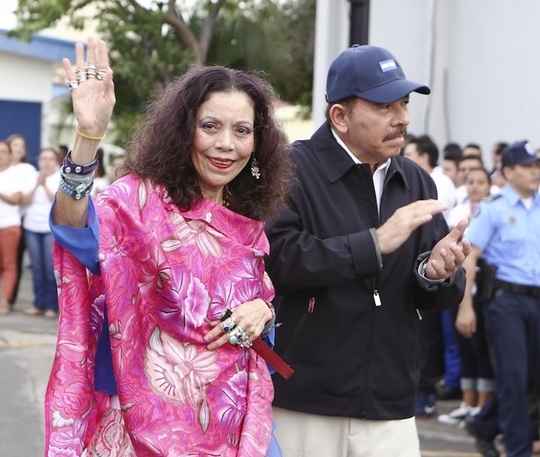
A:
(386, 274)
(27, 193)
(496, 328)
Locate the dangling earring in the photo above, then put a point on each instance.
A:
(226, 197)
(255, 172)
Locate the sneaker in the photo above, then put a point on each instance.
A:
(485, 447)
(426, 406)
(457, 415)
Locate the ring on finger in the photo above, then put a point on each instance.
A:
(80, 75)
(228, 324)
(238, 336)
(234, 336)
(91, 71)
(243, 336)
(100, 75)
(245, 345)
(72, 84)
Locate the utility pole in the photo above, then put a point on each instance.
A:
(359, 22)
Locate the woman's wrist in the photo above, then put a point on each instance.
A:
(88, 136)
(270, 323)
(270, 308)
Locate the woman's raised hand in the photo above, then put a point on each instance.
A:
(92, 88)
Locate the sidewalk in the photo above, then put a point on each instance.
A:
(27, 346)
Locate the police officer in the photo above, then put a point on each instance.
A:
(505, 231)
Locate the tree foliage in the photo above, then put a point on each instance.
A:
(152, 42)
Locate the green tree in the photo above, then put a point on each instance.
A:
(152, 42)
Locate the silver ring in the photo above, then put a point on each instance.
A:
(242, 336)
(80, 75)
(228, 324)
(238, 336)
(100, 75)
(245, 345)
(91, 71)
(72, 84)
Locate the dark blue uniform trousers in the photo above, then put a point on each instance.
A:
(513, 329)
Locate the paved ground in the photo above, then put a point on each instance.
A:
(26, 352)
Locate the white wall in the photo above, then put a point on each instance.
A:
(480, 58)
(24, 79)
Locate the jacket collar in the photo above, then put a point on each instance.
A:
(336, 162)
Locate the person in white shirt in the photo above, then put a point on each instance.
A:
(10, 225)
(37, 234)
(25, 172)
(477, 375)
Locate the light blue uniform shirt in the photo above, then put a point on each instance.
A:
(509, 236)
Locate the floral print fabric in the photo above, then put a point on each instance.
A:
(164, 273)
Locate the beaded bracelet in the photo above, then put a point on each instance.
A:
(75, 192)
(69, 167)
(78, 179)
(89, 137)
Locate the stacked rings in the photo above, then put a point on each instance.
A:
(91, 71)
(81, 75)
(228, 324)
(239, 337)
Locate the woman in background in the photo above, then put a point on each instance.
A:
(10, 225)
(39, 241)
(26, 173)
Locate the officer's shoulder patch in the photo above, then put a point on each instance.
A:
(491, 198)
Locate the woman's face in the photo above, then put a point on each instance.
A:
(477, 184)
(5, 155)
(18, 149)
(47, 162)
(223, 141)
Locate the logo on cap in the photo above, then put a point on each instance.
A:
(529, 148)
(387, 65)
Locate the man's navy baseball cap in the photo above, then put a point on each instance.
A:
(519, 153)
(371, 73)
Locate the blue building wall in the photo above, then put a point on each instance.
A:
(25, 117)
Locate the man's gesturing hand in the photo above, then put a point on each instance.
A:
(396, 230)
(449, 253)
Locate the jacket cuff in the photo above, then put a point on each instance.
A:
(426, 283)
(375, 239)
(366, 255)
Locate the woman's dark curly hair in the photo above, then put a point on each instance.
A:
(161, 146)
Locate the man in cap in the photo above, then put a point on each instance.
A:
(505, 232)
(362, 247)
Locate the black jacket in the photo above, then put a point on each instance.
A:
(352, 358)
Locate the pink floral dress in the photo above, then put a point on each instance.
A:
(163, 274)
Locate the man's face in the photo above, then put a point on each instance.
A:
(525, 179)
(450, 169)
(374, 132)
(465, 166)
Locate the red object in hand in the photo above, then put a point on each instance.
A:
(271, 358)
